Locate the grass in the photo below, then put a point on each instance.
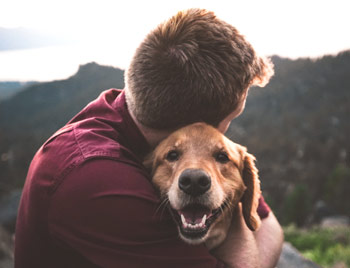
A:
(324, 246)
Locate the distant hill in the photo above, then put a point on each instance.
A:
(298, 128)
(44, 107)
(30, 117)
(10, 88)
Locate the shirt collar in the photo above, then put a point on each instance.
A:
(131, 133)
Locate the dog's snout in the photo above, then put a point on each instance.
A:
(194, 182)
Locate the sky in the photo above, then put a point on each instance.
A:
(109, 31)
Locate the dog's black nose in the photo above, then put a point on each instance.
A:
(194, 182)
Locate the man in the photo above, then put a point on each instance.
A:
(88, 201)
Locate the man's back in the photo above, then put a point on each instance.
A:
(88, 201)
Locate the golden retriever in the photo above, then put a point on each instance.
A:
(202, 176)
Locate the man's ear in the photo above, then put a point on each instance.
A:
(263, 70)
(250, 199)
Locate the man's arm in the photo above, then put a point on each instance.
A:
(244, 248)
(270, 240)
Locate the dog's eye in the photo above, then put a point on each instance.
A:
(172, 156)
(222, 157)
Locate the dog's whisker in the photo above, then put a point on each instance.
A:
(163, 206)
(229, 207)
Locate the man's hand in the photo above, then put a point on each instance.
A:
(247, 249)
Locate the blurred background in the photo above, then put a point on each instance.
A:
(57, 56)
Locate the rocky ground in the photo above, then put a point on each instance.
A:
(291, 258)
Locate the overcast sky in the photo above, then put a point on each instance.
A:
(112, 29)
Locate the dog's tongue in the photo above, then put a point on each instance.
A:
(194, 214)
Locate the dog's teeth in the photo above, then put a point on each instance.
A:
(193, 226)
(184, 223)
(203, 219)
(183, 219)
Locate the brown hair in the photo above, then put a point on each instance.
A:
(193, 67)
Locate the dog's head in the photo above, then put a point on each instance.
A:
(203, 175)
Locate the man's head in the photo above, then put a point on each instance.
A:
(193, 67)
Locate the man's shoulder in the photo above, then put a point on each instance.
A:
(104, 177)
(74, 145)
(88, 139)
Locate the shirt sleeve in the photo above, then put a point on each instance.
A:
(109, 213)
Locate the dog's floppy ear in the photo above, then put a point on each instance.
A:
(250, 199)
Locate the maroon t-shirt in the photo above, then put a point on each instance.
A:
(89, 202)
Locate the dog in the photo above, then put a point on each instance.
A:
(202, 176)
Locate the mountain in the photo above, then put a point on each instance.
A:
(10, 88)
(297, 127)
(31, 116)
(34, 108)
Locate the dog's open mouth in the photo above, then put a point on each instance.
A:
(195, 220)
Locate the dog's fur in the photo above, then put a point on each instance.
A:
(233, 179)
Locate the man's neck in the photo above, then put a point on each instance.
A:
(152, 136)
